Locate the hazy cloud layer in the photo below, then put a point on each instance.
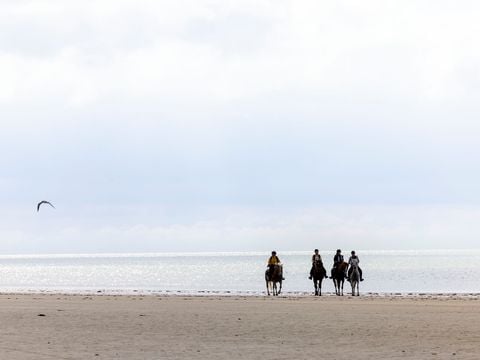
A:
(152, 123)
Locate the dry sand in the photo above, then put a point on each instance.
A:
(235, 327)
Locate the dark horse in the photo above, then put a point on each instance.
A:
(339, 278)
(272, 278)
(318, 274)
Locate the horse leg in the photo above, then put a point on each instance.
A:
(268, 289)
(280, 290)
(320, 286)
(342, 286)
(354, 287)
(358, 284)
(276, 289)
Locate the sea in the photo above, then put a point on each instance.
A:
(407, 272)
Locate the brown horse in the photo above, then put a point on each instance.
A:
(339, 278)
(272, 278)
(318, 274)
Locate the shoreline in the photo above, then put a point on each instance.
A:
(251, 294)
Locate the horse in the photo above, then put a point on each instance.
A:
(354, 278)
(339, 278)
(271, 280)
(318, 274)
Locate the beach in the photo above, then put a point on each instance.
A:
(54, 326)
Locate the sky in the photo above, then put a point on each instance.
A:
(216, 125)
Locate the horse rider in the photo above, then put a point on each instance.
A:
(272, 262)
(316, 259)
(352, 262)
(337, 260)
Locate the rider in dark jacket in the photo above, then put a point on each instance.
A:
(316, 258)
(337, 260)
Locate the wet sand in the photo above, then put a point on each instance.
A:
(237, 327)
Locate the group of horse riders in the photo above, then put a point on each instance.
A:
(353, 261)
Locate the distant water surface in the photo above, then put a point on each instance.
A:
(426, 271)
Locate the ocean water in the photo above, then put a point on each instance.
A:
(385, 272)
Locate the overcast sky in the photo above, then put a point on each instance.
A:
(239, 125)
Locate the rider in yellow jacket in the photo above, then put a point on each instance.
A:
(272, 261)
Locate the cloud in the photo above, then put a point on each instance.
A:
(229, 229)
(208, 52)
(198, 104)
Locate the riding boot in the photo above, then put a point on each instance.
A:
(361, 274)
(311, 273)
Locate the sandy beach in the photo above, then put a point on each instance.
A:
(173, 327)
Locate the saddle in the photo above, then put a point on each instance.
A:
(340, 268)
(274, 271)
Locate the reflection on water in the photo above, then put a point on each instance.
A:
(432, 271)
